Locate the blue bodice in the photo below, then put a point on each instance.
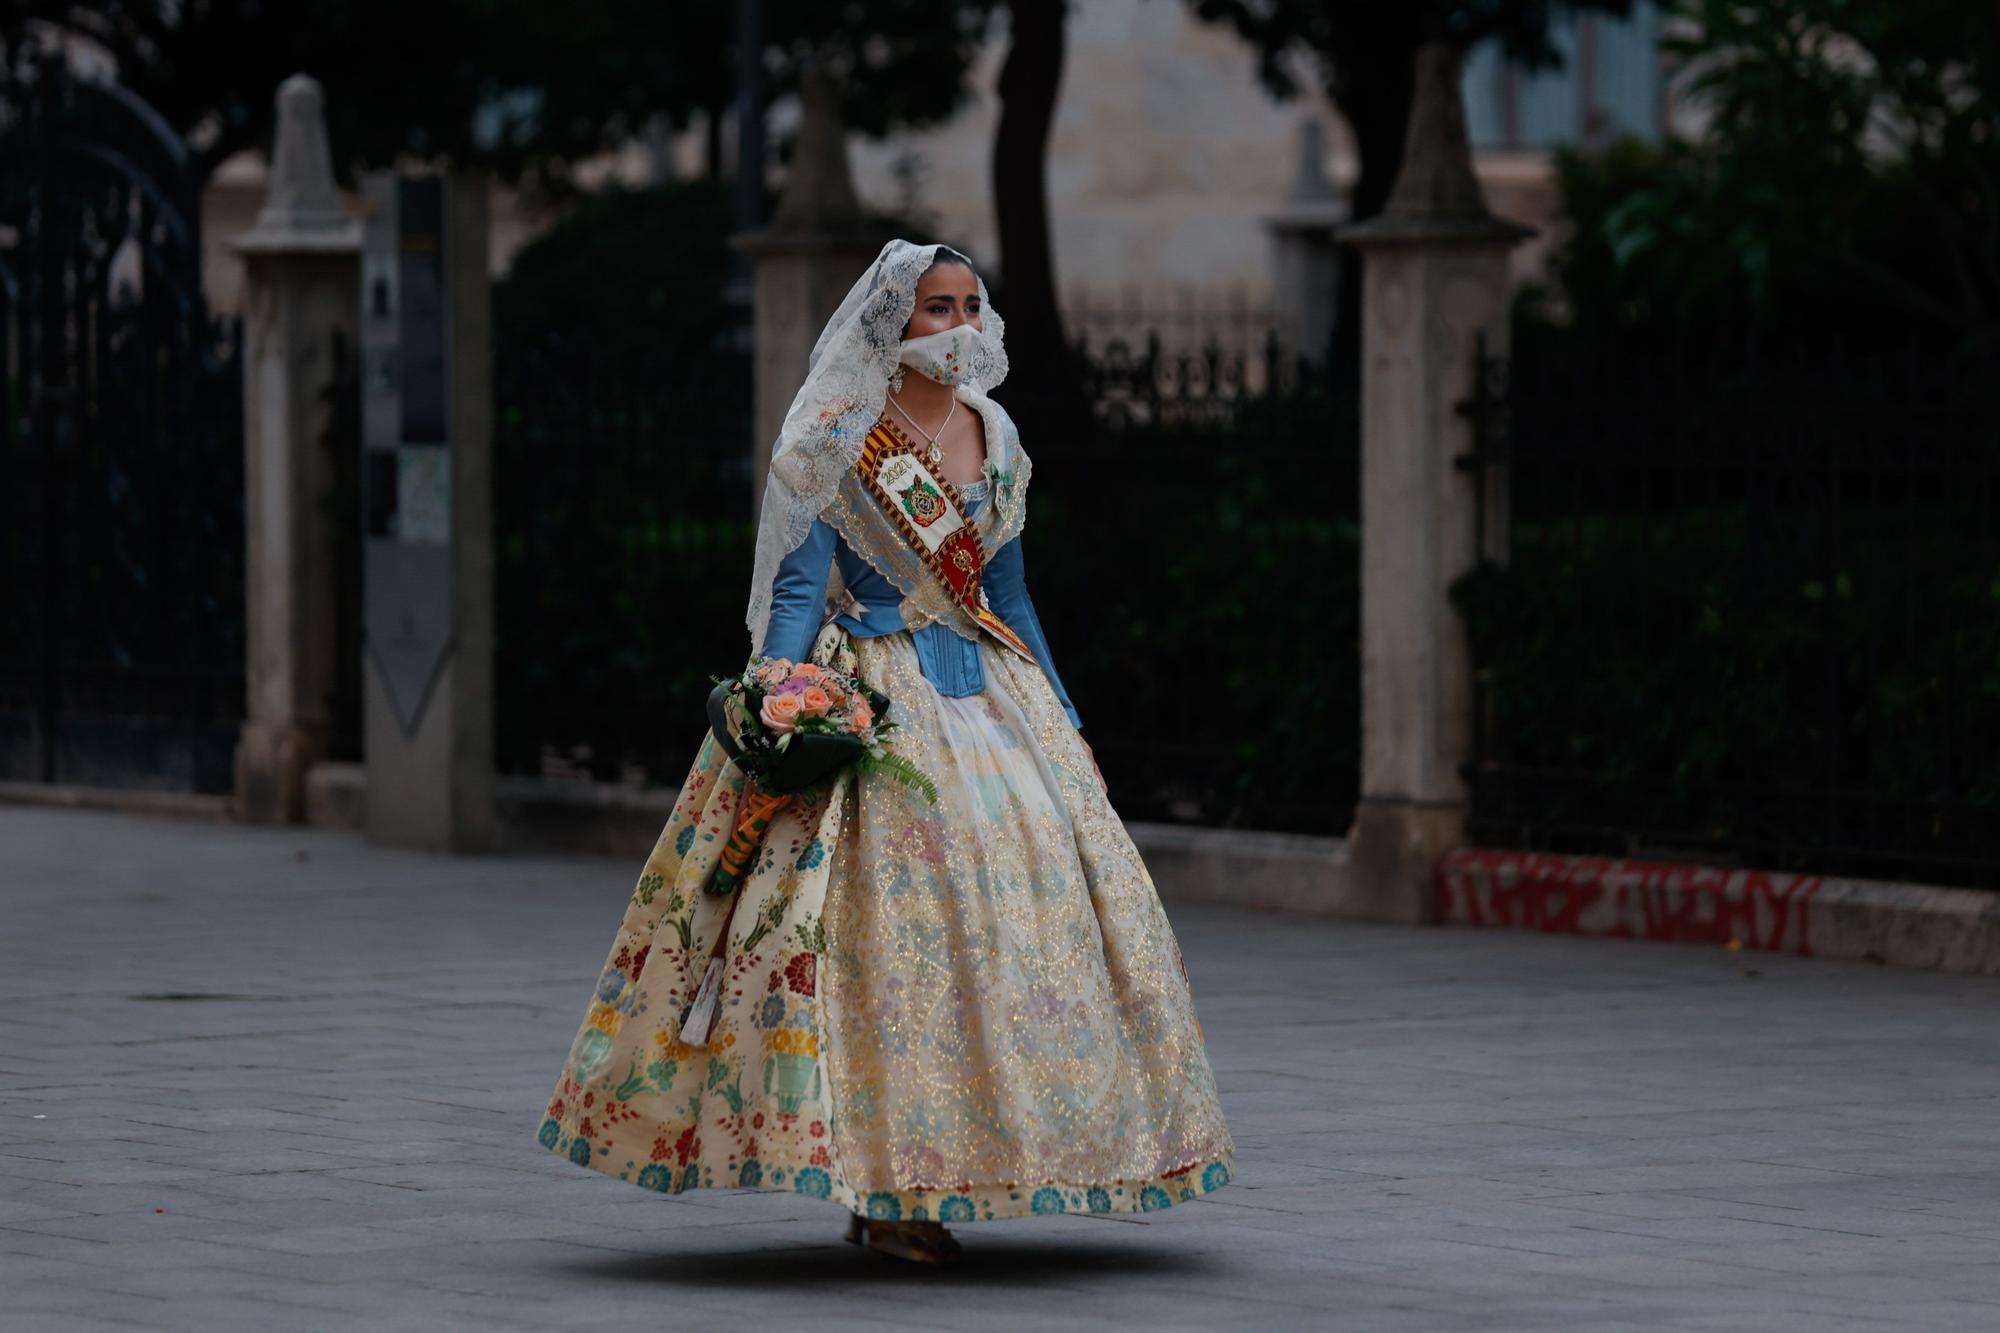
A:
(950, 662)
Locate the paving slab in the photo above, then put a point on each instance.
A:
(280, 1079)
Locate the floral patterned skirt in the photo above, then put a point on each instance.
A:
(953, 1012)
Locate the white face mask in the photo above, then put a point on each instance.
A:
(944, 356)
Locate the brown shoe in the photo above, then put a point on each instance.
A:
(912, 1242)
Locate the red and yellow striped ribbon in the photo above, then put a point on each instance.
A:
(758, 812)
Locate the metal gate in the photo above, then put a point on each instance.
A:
(1747, 614)
(121, 452)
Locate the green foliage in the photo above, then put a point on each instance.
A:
(1364, 56)
(1691, 665)
(631, 282)
(1198, 587)
(1751, 603)
(526, 87)
(1847, 184)
(898, 768)
(1196, 582)
(623, 520)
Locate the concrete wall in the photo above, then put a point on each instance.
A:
(1815, 916)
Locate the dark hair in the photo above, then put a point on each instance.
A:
(946, 255)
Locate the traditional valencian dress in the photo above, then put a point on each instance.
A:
(947, 1012)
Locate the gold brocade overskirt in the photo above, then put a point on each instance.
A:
(954, 1012)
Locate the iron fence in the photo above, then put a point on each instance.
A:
(623, 529)
(121, 454)
(1196, 541)
(1750, 610)
(1144, 380)
(1197, 570)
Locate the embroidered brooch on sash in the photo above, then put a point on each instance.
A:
(927, 511)
(922, 503)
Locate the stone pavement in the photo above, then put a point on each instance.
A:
(271, 1079)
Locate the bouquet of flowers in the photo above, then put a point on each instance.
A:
(791, 726)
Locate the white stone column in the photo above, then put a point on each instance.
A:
(818, 243)
(301, 270)
(1435, 283)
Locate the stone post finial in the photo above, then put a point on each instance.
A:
(819, 193)
(1434, 302)
(301, 206)
(818, 239)
(301, 289)
(1437, 180)
(1436, 193)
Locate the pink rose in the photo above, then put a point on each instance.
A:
(815, 702)
(780, 712)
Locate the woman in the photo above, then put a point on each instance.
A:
(930, 1013)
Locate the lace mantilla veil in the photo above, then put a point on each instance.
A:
(845, 389)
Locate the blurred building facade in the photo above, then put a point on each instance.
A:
(1166, 161)
(1172, 172)
(1612, 84)
(1172, 169)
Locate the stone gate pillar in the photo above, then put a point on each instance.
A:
(301, 271)
(818, 243)
(1434, 282)
(427, 541)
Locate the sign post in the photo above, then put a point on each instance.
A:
(427, 512)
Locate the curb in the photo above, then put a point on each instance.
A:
(1243, 868)
(1220, 867)
(1809, 916)
(127, 800)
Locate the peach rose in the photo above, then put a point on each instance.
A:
(862, 715)
(780, 712)
(774, 672)
(809, 670)
(815, 702)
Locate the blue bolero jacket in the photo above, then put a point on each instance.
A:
(949, 661)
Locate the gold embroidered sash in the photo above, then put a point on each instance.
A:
(929, 514)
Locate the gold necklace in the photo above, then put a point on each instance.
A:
(936, 452)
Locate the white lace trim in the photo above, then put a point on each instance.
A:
(846, 385)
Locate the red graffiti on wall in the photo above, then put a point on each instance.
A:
(1583, 895)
